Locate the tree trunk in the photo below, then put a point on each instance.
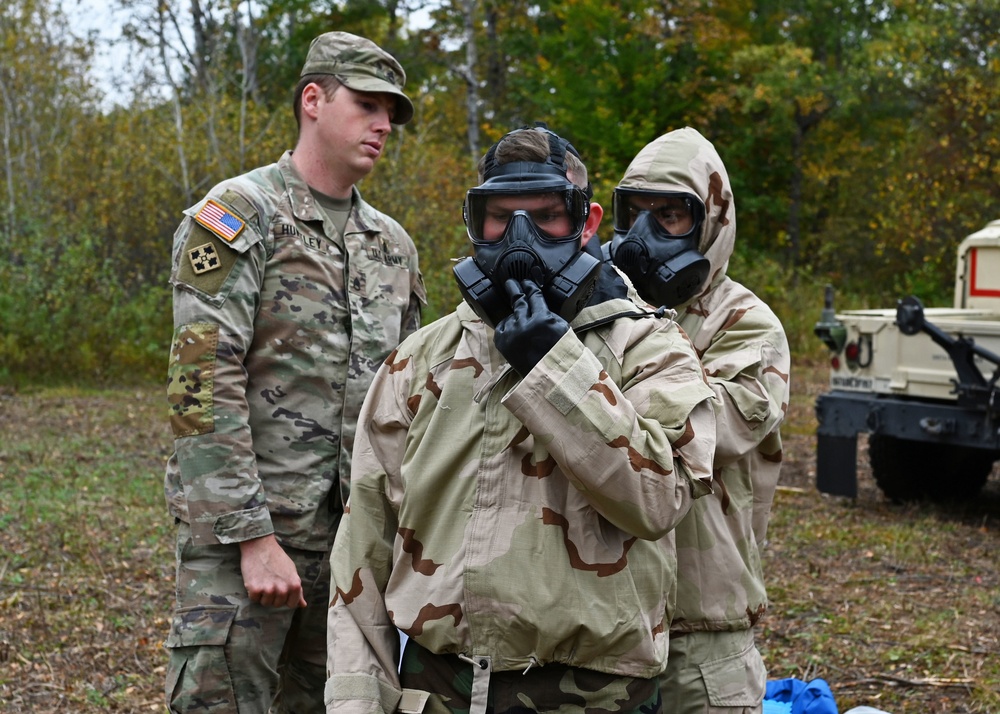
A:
(471, 83)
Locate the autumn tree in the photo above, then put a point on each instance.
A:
(45, 96)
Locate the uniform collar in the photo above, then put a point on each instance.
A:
(305, 208)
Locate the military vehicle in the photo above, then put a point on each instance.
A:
(921, 383)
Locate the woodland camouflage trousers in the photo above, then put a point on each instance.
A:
(552, 688)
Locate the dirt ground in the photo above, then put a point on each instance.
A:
(896, 606)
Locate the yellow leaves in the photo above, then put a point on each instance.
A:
(812, 102)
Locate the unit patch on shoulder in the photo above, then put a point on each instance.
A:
(204, 258)
(220, 220)
(206, 261)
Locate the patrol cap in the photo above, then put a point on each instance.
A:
(360, 64)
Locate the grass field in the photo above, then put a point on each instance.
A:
(897, 607)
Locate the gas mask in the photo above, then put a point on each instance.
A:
(525, 222)
(663, 264)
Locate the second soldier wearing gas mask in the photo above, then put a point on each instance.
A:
(656, 243)
(675, 231)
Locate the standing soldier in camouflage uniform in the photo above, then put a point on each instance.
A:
(289, 292)
(514, 488)
(675, 227)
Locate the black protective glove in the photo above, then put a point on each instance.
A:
(528, 333)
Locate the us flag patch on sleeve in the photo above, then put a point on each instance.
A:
(221, 221)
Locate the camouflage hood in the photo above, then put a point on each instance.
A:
(684, 160)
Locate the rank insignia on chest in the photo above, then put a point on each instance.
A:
(204, 258)
(220, 220)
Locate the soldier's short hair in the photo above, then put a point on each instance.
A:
(532, 144)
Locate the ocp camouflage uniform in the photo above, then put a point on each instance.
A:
(280, 323)
(519, 524)
(714, 665)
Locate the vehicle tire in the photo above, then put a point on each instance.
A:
(911, 470)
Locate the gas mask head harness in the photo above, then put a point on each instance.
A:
(656, 243)
(525, 221)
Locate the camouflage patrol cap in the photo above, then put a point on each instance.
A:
(359, 64)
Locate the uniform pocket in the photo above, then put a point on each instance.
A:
(735, 681)
(201, 625)
(198, 671)
(752, 404)
(191, 379)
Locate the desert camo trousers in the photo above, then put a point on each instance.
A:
(552, 688)
(714, 673)
(228, 654)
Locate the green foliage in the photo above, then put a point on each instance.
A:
(68, 316)
(860, 139)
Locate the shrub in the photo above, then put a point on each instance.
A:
(68, 315)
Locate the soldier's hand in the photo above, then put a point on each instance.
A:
(269, 574)
(531, 330)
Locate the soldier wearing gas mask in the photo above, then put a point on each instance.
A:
(520, 465)
(675, 228)
(656, 243)
(527, 222)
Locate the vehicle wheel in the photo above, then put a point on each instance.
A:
(910, 470)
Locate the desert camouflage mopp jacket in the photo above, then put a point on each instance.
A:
(524, 520)
(746, 357)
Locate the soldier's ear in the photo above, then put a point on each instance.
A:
(593, 222)
(312, 95)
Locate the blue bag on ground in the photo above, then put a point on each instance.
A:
(812, 697)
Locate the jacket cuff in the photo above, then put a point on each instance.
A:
(563, 378)
(233, 527)
(359, 694)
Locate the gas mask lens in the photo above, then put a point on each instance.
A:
(556, 215)
(676, 214)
